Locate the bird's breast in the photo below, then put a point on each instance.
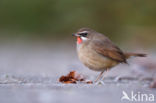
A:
(92, 59)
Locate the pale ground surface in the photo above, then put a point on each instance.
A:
(29, 74)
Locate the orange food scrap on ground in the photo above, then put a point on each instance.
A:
(73, 77)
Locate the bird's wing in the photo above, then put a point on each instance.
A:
(108, 49)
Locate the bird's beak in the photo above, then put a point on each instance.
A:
(75, 34)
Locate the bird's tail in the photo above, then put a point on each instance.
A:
(128, 55)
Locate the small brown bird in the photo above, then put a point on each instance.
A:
(98, 52)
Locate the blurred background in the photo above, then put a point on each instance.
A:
(37, 47)
(123, 21)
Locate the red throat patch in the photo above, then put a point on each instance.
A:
(79, 40)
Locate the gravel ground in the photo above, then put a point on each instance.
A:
(29, 74)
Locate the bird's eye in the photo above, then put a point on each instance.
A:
(83, 34)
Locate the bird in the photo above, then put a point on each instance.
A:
(97, 52)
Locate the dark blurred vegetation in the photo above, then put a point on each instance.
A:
(55, 18)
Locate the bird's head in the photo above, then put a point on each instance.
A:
(83, 35)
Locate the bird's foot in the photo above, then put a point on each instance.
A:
(100, 82)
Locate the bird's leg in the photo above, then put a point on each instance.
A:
(99, 76)
(104, 74)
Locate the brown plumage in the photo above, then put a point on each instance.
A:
(98, 52)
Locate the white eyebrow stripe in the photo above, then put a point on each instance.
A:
(83, 32)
